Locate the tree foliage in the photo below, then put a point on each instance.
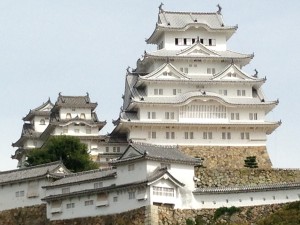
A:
(69, 149)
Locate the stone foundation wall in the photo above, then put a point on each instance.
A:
(247, 215)
(151, 215)
(228, 156)
(36, 215)
(238, 177)
(33, 215)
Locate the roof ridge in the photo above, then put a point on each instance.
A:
(88, 172)
(191, 12)
(31, 167)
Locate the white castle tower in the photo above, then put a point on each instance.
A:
(192, 92)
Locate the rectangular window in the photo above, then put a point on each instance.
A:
(167, 135)
(98, 185)
(88, 130)
(252, 116)
(169, 115)
(159, 91)
(163, 191)
(88, 202)
(212, 42)
(33, 189)
(207, 135)
(115, 199)
(65, 190)
(241, 92)
(118, 149)
(245, 135)
(188, 135)
(106, 149)
(226, 135)
(131, 195)
(151, 115)
(234, 116)
(152, 135)
(172, 135)
(130, 167)
(211, 70)
(20, 194)
(70, 205)
(114, 149)
(174, 92)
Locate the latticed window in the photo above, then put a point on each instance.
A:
(203, 112)
(163, 191)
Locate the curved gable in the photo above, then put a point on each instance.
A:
(166, 72)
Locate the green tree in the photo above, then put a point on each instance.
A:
(69, 149)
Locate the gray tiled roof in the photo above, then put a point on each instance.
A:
(28, 173)
(37, 111)
(183, 20)
(188, 95)
(157, 152)
(219, 54)
(248, 188)
(28, 132)
(74, 101)
(86, 176)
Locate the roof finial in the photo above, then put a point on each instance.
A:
(128, 69)
(219, 9)
(198, 39)
(168, 60)
(256, 72)
(160, 7)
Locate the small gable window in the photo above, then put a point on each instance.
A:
(68, 116)
(82, 116)
(42, 122)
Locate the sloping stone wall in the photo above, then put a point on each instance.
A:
(239, 177)
(246, 216)
(36, 215)
(228, 156)
(151, 215)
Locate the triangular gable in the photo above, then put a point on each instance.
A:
(197, 49)
(60, 170)
(232, 72)
(130, 152)
(167, 71)
(47, 106)
(169, 177)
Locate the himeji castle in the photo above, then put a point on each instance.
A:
(192, 127)
(192, 90)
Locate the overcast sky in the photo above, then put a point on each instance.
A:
(79, 46)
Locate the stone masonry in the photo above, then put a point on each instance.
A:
(231, 157)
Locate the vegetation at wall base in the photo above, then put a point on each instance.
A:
(288, 215)
(250, 162)
(70, 150)
(225, 211)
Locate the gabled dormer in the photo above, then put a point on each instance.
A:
(234, 73)
(165, 72)
(197, 49)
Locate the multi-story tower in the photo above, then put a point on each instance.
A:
(193, 92)
(70, 115)
(35, 122)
